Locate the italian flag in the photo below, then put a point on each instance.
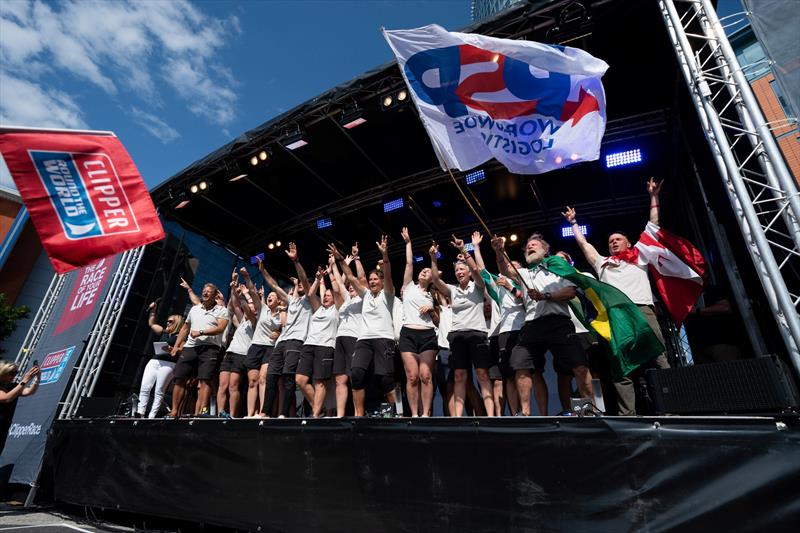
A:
(677, 268)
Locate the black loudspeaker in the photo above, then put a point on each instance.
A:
(759, 385)
(97, 408)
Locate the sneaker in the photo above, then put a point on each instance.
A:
(203, 413)
(225, 414)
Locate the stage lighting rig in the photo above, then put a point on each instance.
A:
(395, 99)
(621, 159)
(294, 138)
(352, 117)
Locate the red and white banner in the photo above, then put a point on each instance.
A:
(677, 267)
(85, 196)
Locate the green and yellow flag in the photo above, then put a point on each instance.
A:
(615, 318)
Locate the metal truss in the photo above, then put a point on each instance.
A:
(761, 190)
(94, 355)
(40, 320)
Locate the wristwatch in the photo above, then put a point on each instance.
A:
(547, 295)
(202, 332)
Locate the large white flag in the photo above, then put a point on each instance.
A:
(534, 107)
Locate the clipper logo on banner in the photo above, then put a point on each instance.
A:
(86, 193)
(83, 296)
(54, 364)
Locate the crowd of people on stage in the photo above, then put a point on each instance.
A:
(343, 334)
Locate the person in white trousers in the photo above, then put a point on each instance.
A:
(158, 372)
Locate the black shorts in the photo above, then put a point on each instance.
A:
(379, 352)
(469, 347)
(284, 357)
(343, 355)
(257, 355)
(555, 333)
(506, 342)
(494, 359)
(200, 361)
(316, 362)
(233, 362)
(418, 340)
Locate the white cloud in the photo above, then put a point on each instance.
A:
(23, 103)
(155, 125)
(125, 48)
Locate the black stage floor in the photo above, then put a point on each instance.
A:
(438, 474)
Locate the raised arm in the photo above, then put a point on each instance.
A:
(477, 239)
(252, 293)
(248, 298)
(383, 248)
(301, 273)
(192, 296)
(360, 272)
(440, 285)
(21, 388)
(355, 282)
(151, 319)
(335, 279)
(653, 189)
(589, 251)
(313, 297)
(503, 265)
(233, 302)
(408, 273)
(272, 283)
(458, 244)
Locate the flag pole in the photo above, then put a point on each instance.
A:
(474, 211)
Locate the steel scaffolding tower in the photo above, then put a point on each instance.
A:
(762, 192)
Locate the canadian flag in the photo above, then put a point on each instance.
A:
(677, 267)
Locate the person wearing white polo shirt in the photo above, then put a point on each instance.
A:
(623, 269)
(547, 324)
(202, 333)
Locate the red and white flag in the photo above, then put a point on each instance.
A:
(85, 196)
(677, 267)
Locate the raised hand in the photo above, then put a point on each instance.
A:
(354, 250)
(321, 273)
(336, 253)
(292, 252)
(152, 306)
(349, 259)
(654, 187)
(185, 285)
(569, 214)
(498, 243)
(457, 243)
(406, 237)
(245, 274)
(294, 281)
(383, 244)
(434, 249)
(331, 260)
(477, 238)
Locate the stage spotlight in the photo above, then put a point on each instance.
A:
(294, 139)
(513, 237)
(387, 101)
(352, 117)
(194, 189)
(237, 178)
(262, 155)
(203, 185)
(573, 157)
(271, 246)
(393, 205)
(620, 159)
(254, 160)
(278, 244)
(437, 204)
(418, 259)
(402, 95)
(323, 223)
(558, 160)
(475, 177)
(566, 231)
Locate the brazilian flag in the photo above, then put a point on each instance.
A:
(613, 316)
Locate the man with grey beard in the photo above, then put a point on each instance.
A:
(547, 323)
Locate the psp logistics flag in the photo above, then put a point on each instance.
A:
(534, 107)
(83, 192)
(613, 316)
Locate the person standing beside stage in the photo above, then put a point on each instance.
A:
(418, 341)
(350, 324)
(288, 346)
(623, 269)
(158, 371)
(266, 331)
(202, 333)
(316, 359)
(375, 346)
(547, 324)
(469, 344)
(10, 393)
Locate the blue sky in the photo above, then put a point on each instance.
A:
(176, 79)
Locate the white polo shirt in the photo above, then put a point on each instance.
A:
(298, 316)
(267, 323)
(322, 328)
(413, 299)
(445, 326)
(242, 337)
(467, 307)
(376, 314)
(543, 281)
(350, 321)
(200, 318)
(512, 311)
(630, 278)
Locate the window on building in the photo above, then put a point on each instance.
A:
(776, 88)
